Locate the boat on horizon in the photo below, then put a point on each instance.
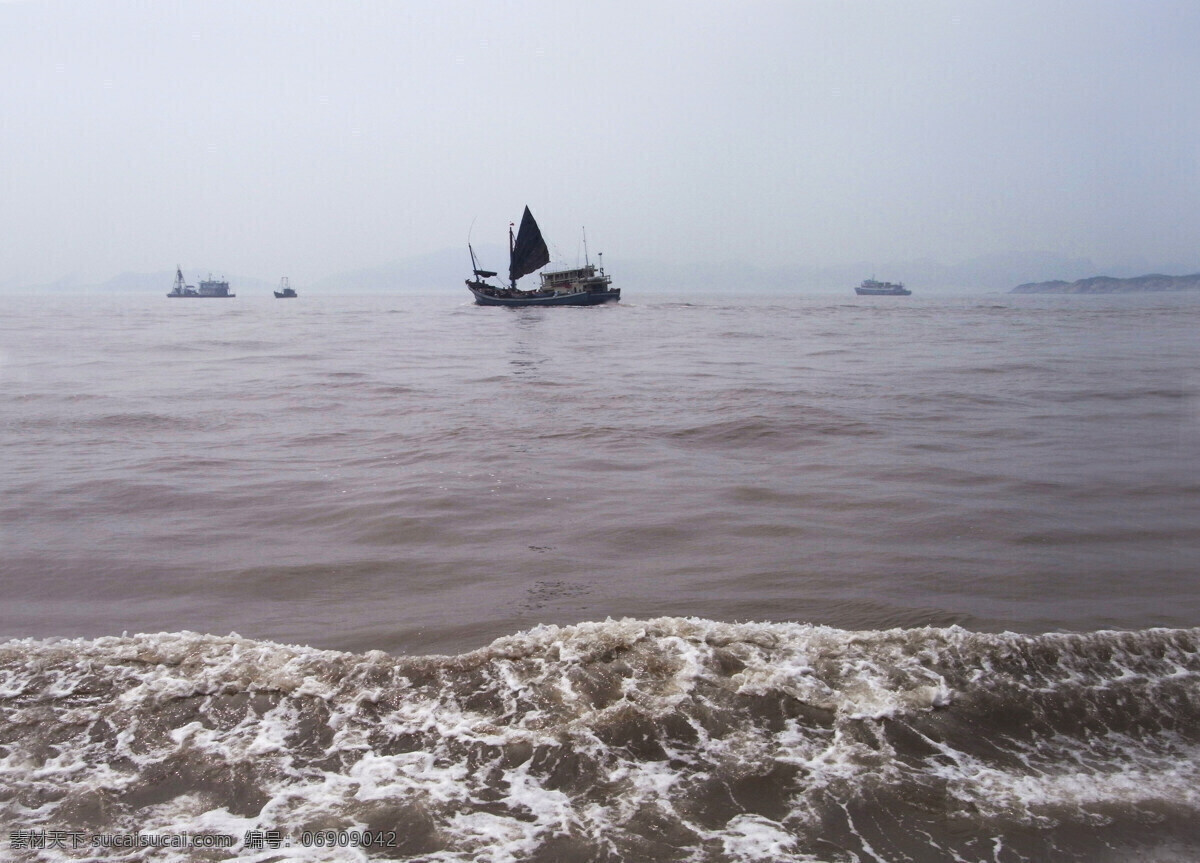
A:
(210, 288)
(872, 288)
(581, 286)
(285, 290)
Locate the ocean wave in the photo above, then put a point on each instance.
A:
(772, 434)
(666, 739)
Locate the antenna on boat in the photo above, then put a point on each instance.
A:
(474, 266)
(585, 251)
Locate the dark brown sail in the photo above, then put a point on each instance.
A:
(529, 249)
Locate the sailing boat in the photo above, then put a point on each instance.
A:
(527, 252)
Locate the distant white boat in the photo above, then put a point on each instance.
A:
(872, 288)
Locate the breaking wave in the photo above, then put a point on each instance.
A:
(669, 739)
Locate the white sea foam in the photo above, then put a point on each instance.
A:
(742, 741)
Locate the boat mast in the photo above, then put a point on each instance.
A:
(512, 244)
(586, 261)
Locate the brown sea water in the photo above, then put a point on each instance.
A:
(419, 474)
(829, 532)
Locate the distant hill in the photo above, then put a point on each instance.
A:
(435, 272)
(1110, 285)
(140, 283)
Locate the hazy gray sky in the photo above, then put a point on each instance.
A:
(310, 137)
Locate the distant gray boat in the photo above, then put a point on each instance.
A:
(285, 290)
(582, 286)
(210, 288)
(872, 288)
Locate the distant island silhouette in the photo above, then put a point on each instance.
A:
(1109, 285)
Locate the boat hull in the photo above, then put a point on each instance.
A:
(202, 296)
(285, 296)
(578, 298)
(867, 292)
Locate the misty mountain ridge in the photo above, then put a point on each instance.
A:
(1110, 285)
(447, 269)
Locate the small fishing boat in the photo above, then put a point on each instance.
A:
(285, 290)
(581, 286)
